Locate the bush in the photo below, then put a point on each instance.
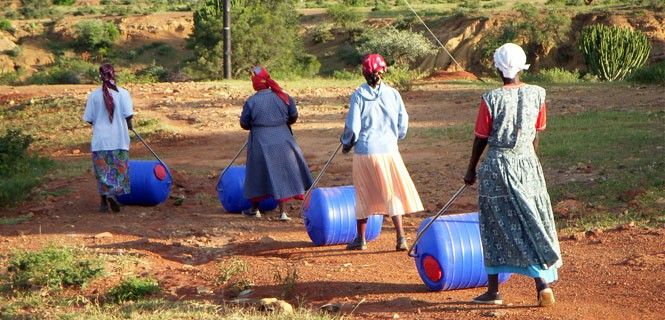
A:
(397, 46)
(32, 9)
(20, 171)
(343, 16)
(346, 75)
(153, 73)
(553, 75)
(64, 2)
(612, 53)
(51, 268)
(322, 34)
(265, 32)
(95, 35)
(6, 25)
(66, 71)
(534, 30)
(132, 289)
(653, 74)
(401, 78)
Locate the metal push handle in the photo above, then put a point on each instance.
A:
(323, 170)
(445, 207)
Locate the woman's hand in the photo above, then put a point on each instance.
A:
(470, 177)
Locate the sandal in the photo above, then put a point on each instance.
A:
(113, 203)
(488, 298)
(357, 244)
(401, 244)
(251, 213)
(284, 217)
(546, 297)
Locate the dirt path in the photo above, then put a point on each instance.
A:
(616, 274)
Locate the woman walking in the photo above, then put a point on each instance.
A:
(109, 110)
(377, 118)
(516, 221)
(275, 165)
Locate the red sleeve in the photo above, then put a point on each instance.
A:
(483, 122)
(541, 122)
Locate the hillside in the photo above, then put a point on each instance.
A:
(152, 37)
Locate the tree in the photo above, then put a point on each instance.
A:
(263, 32)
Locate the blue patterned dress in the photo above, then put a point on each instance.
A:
(516, 221)
(275, 164)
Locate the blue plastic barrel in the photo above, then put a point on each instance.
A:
(149, 182)
(449, 255)
(330, 217)
(230, 192)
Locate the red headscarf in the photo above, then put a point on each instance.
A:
(107, 74)
(261, 80)
(374, 63)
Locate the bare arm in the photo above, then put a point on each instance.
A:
(536, 142)
(479, 145)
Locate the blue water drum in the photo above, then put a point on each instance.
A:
(330, 217)
(149, 182)
(449, 255)
(230, 192)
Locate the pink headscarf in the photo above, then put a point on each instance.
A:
(261, 80)
(374, 63)
(107, 74)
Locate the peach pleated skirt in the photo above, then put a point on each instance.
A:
(383, 186)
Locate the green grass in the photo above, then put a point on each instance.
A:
(653, 74)
(460, 132)
(133, 289)
(552, 76)
(51, 268)
(626, 154)
(15, 220)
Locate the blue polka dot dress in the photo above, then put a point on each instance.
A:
(275, 164)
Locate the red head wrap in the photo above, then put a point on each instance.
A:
(261, 80)
(374, 63)
(107, 74)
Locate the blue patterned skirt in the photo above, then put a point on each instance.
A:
(516, 220)
(112, 171)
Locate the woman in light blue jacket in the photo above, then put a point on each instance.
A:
(376, 120)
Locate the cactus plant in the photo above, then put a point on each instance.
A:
(612, 53)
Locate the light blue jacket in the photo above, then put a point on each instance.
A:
(377, 118)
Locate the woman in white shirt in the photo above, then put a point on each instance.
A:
(109, 111)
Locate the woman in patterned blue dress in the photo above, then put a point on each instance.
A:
(275, 165)
(516, 221)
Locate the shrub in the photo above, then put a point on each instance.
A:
(553, 75)
(151, 73)
(64, 2)
(612, 53)
(66, 71)
(6, 25)
(346, 75)
(52, 268)
(95, 35)
(536, 31)
(343, 16)
(322, 34)
(132, 289)
(32, 9)
(401, 78)
(20, 171)
(653, 74)
(397, 46)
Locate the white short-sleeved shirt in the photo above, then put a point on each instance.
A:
(107, 135)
